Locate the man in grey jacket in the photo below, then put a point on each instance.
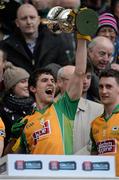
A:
(87, 110)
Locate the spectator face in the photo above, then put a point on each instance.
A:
(21, 88)
(116, 10)
(45, 89)
(64, 77)
(101, 54)
(44, 4)
(108, 90)
(41, 4)
(86, 82)
(69, 3)
(108, 32)
(27, 19)
(62, 84)
(94, 4)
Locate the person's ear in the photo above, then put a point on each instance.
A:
(32, 89)
(17, 22)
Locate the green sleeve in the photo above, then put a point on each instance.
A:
(67, 106)
(23, 144)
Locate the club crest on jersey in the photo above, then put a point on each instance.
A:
(44, 131)
(2, 132)
(115, 130)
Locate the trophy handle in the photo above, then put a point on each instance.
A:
(65, 25)
(53, 23)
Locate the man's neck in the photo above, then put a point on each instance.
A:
(84, 95)
(109, 109)
(30, 37)
(41, 105)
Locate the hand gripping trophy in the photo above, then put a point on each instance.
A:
(84, 21)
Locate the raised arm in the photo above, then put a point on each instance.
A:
(75, 85)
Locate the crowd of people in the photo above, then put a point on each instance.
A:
(59, 93)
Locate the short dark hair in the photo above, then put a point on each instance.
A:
(35, 75)
(110, 73)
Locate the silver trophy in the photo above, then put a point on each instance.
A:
(53, 20)
(84, 21)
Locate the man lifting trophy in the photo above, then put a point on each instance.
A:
(56, 118)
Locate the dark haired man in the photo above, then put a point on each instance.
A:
(105, 128)
(49, 129)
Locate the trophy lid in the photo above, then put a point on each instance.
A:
(87, 22)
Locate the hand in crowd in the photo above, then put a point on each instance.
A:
(115, 66)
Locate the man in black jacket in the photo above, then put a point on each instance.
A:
(32, 46)
(100, 51)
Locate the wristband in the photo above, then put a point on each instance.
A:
(16, 145)
(86, 37)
